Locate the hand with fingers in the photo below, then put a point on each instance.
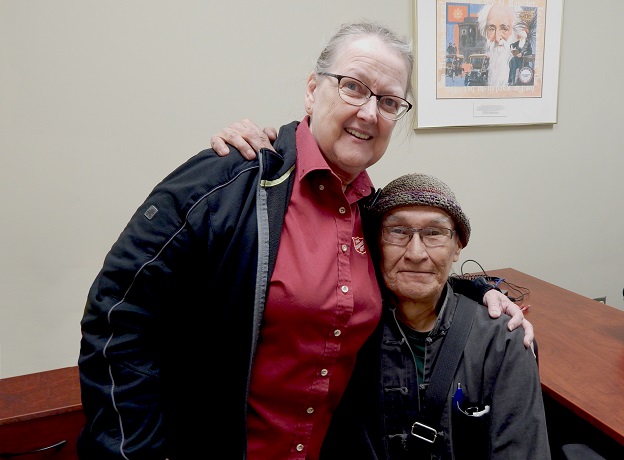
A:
(498, 303)
(245, 136)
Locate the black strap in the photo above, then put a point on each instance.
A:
(448, 359)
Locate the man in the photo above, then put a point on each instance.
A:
(496, 24)
(401, 403)
(450, 62)
(519, 49)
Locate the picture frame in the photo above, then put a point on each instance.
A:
(470, 69)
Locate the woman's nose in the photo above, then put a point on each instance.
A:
(368, 111)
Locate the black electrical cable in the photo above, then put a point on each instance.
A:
(519, 291)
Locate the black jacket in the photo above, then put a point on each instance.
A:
(383, 400)
(172, 320)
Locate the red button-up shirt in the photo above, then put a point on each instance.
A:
(323, 303)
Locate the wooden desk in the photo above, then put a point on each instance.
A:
(581, 351)
(38, 411)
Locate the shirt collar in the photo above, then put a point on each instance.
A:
(310, 158)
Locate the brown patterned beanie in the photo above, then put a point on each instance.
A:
(423, 190)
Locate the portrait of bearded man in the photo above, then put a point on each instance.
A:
(496, 24)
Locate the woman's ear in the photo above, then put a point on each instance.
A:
(309, 94)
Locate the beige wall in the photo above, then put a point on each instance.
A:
(100, 100)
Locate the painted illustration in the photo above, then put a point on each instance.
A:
(491, 49)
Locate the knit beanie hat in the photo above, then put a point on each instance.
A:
(423, 190)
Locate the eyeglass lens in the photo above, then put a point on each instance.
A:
(355, 92)
(430, 236)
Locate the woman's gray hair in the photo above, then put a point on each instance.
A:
(351, 31)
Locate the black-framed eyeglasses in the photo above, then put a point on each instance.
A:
(354, 92)
(431, 237)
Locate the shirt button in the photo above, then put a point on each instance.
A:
(299, 447)
(310, 410)
(344, 248)
(342, 210)
(344, 289)
(337, 333)
(324, 372)
(321, 187)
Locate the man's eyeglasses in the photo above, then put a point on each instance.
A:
(354, 92)
(431, 237)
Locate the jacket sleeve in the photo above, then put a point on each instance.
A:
(473, 289)
(119, 359)
(499, 372)
(124, 333)
(518, 427)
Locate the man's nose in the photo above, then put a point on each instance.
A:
(416, 249)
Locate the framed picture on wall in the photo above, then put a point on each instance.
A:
(486, 62)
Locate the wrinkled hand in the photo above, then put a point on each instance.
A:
(245, 136)
(498, 303)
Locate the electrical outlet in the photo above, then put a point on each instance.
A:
(601, 299)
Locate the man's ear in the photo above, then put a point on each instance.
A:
(458, 249)
(309, 94)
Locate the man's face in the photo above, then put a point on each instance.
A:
(353, 138)
(499, 24)
(417, 273)
(523, 34)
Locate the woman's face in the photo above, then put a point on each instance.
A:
(353, 138)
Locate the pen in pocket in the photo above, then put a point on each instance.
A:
(458, 397)
(474, 410)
